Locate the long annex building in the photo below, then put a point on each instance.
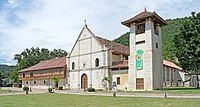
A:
(137, 67)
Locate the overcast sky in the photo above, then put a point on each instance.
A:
(57, 23)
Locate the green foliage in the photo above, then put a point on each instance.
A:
(15, 76)
(6, 70)
(56, 81)
(106, 79)
(30, 57)
(168, 32)
(91, 89)
(50, 90)
(25, 88)
(187, 43)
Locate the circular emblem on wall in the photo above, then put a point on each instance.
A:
(139, 57)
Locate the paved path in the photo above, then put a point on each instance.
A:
(120, 94)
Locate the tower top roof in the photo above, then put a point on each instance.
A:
(143, 16)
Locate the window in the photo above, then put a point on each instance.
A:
(31, 74)
(156, 45)
(73, 65)
(118, 80)
(34, 82)
(155, 29)
(96, 62)
(44, 82)
(26, 82)
(140, 42)
(84, 65)
(23, 74)
(140, 28)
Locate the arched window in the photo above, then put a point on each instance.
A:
(96, 62)
(73, 65)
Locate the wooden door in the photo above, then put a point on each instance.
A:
(140, 83)
(84, 81)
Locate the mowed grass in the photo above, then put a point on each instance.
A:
(63, 100)
(2, 91)
(171, 90)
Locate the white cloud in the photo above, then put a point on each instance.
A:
(57, 23)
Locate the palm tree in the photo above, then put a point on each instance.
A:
(56, 81)
(105, 81)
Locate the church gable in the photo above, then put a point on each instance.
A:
(85, 43)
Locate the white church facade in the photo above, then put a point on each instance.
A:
(137, 67)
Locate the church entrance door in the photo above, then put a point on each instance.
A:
(84, 81)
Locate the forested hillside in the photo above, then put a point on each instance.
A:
(6, 70)
(168, 33)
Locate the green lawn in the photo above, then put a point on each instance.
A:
(63, 100)
(171, 90)
(6, 91)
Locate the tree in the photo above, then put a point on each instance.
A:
(105, 82)
(56, 81)
(187, 44)
(32, 56)
(14, 76)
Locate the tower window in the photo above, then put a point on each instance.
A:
(156, 45)
(96, 62)
(155, 29)
(118, 80)
(34, 82)
(73, 65)
(140, 28)
(26, 82)
(140, 42)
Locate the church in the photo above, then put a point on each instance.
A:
(137, 67)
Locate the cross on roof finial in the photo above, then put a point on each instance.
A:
(85, 22)
(145, 9)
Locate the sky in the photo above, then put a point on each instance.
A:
(57, 23)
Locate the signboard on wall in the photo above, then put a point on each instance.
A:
(139, 60)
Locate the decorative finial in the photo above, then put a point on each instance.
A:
(85, 23)
(145, 9)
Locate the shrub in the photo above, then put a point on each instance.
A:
(25, 88)
(91, 89)
(50, 90)
(60, 88)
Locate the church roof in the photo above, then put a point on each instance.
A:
(121, 64)
(115, 47)
(144, 15)
(47, 64)
(124, 64)
(171, 64)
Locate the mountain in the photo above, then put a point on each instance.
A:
(6, 68)
(168, 33)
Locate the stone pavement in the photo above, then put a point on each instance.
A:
(123, 94)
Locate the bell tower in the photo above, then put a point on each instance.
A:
(145, 60)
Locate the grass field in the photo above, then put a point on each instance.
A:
(171, 90)
(62, 100)
(6, 91)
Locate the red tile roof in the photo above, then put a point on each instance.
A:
(46, 64)
(122, 64)
(115, 47)
(143, 15)
(171, 64)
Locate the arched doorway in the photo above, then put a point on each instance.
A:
(84, 81)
